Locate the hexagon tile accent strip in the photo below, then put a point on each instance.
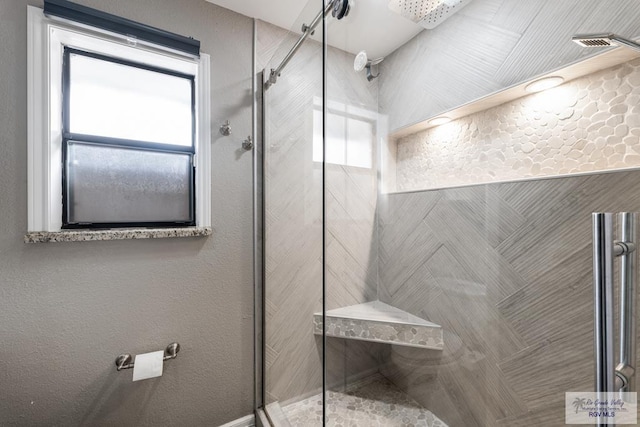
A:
(589, 124)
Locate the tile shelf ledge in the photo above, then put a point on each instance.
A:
(379, 322)
(115, 234)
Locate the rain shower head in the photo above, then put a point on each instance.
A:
(604, 40)
(427, 13)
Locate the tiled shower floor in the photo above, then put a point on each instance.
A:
(374, 402)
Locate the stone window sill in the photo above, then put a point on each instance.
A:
(115, 234)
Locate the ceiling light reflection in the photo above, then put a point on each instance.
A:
(544, 84)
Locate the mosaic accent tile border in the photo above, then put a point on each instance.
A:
(383, 332)
(121, 234)
(373, 402)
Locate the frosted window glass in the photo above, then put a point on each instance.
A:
(107, 184)
(121, 101)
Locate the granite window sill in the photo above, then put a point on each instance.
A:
(115, 234)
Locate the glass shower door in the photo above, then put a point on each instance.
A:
(293, 218)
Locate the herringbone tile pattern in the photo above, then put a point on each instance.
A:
(506, 270)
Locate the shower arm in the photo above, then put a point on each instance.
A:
(627, 43)
(371, 63)
(604, 40)
(307, 30)
(370, 75)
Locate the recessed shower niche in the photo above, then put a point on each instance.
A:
(589, 121)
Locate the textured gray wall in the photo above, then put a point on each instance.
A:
(68, 309)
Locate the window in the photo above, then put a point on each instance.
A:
(350, 135)
(118, 131)
(127, 143)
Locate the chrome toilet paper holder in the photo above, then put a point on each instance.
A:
(125, 361)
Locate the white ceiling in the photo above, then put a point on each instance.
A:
(370, 26)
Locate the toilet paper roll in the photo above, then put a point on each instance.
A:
(148, 365)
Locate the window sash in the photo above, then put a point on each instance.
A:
(66, 85)
(132, 144)
(66, 224)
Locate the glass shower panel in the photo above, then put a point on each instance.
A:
(293, 221)
(363, 316)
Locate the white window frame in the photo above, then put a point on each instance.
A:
(46, 40)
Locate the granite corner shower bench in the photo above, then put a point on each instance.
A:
(379, 322)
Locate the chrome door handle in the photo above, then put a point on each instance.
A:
(625, 371)
(610, 378)
(603, 299)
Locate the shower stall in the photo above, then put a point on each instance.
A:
(428, 245)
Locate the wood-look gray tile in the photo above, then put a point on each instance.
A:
(540, 309)
(469, 245)
(517, 318)
(401, 254)
(551, 415)
(541, 374)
